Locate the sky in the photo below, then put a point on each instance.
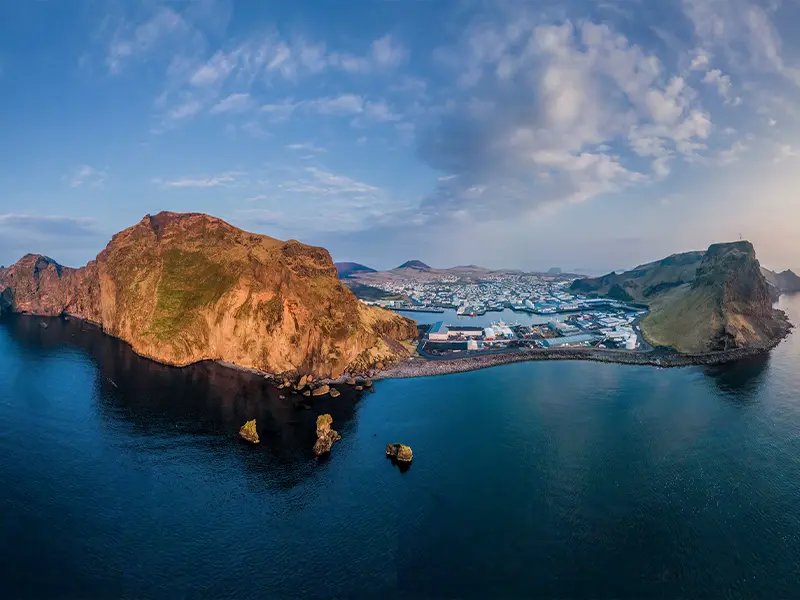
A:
(584, 134)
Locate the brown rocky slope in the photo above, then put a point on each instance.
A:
(182, 288)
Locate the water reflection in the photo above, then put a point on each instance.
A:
(202, 405)
(742, 380)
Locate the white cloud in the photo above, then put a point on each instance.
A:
(380, 111)
(700, 60)
(86, 176)
(131, 42)
(281, 110)
(307, 146)
(547, 104)
(186, 110)
(732, 154)
(223, 179)
(235, 103)
(343, 104)
(215, 71)
(785, 152)
(23, 226)
(722, 82)
(386, 52)
(333, 183)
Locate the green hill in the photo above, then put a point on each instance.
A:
(700, 301)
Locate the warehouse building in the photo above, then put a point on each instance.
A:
(439, 332)
(466, 331)
(570, 340)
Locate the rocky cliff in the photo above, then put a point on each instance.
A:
(785, 282)
(182, 288)
(700, 301)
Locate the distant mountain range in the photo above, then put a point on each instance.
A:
(700, 301)
(414, 264)
(347, 269)
(785, 282)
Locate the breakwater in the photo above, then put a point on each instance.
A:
(420, 367)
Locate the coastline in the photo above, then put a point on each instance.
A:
(421, 367)
(417, 366)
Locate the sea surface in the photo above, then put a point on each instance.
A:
(450, 317)
(121, 478)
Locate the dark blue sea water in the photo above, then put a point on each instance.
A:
(123, 478)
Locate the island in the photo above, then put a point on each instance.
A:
(183, 288)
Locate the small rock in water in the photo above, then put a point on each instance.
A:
(399, 452)
(248, 432)
(325, 435)
(359, 388)
(321, 390)
(307, 393)
(42, 324)
(335, 393)
(302, 383)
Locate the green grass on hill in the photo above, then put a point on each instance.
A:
(189, 281)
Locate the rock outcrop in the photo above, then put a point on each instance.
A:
(248, 432)
(325, 435)
(321, 390)
(399, 452)
(182, 288)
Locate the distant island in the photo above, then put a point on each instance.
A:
(182, 288)
(709, 301)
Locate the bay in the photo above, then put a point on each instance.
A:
(124, 478)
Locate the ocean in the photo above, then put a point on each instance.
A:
(122, 478)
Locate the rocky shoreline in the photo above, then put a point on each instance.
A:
(420, 367)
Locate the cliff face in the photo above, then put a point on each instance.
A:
(181, 288)
(701, 301)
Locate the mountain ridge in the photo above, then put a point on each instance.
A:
(186, 287)
(348, 269)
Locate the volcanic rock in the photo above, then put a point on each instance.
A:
(325, 435)
(248, 432)
(183, 288)
(399, 452)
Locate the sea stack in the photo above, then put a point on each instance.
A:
(325, 435)
(248, 432)
(399, 452)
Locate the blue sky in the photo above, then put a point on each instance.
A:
(592, 135)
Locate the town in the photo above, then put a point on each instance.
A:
(565, 319)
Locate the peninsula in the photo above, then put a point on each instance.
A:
(183, 288)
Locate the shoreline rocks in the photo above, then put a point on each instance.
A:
(325, 435)
(321, 390)
(248, 432)
(422, 367)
